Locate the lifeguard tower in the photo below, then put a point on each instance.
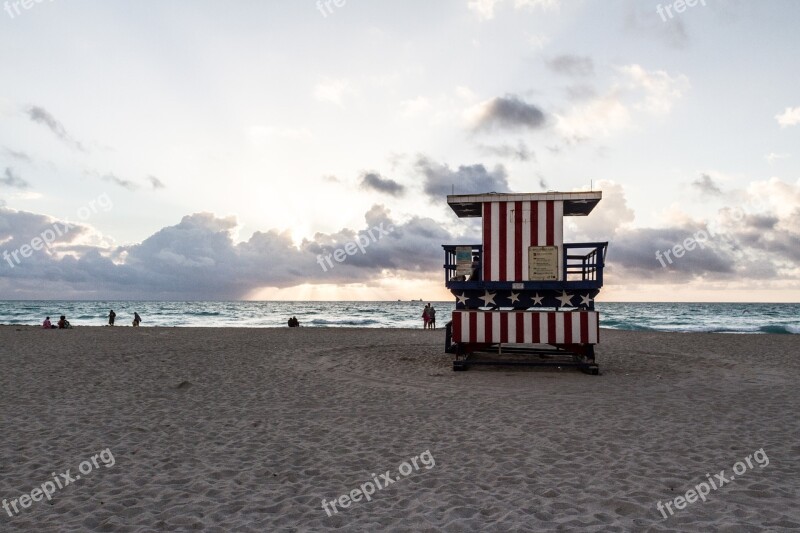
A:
(524, 292)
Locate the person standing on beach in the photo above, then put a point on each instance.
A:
(136, 319)
(111, 316)
(431, 317)
(425, 317)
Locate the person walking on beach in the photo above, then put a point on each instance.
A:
(136, 319)
(431, 317)
(425, 317)
(111, 316)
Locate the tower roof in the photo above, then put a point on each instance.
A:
(575, 203)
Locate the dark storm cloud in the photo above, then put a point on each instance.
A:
(198, 259)
(439, 180)
(634, 251)
(42, 116)
(374, 181)
(509, 112)
(571, 65)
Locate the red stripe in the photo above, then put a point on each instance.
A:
(504, 327)
(473, 327)
(551, 222)
(520, 327)
(568, 327)
(487, 240)
(502, 235)
(551, 327)
(534, 223)
(521, 247)
(487, 326)
(537, 334)
(584, 326)
(456, 333)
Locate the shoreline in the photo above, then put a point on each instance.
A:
(382, 328)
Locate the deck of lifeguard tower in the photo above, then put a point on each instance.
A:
(581, 269)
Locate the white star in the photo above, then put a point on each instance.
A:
(461, 299)
(488, 298)
(566, 299)
(537, 300)
(585, 300)
(514, 297)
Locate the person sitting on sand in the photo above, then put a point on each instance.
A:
(136, 319)
(46, 324)
(63, 323)
(111, 316)
(294, 323)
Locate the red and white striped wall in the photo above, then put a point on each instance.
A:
(526, 327)
(509, 228)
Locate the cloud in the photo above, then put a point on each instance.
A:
(790, 117)
(741, 244)
(415, 107)
(600, 116)
(706, 185)
(508, 112)
(439, 180)
(485, 8)
(42, 116)
(198, 258)
(126, 184)
(571, 65)
(374, 181)
(12, 179)
(772, 157)
(635, 91)
(155, 182)
(333, 90)
(520, 152)
(660, 89)
(19, 156)
(641, 18)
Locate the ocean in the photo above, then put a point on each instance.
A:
(687, 317)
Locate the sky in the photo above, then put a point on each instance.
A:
(219, 151)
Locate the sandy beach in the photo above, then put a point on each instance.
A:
(251, 429)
